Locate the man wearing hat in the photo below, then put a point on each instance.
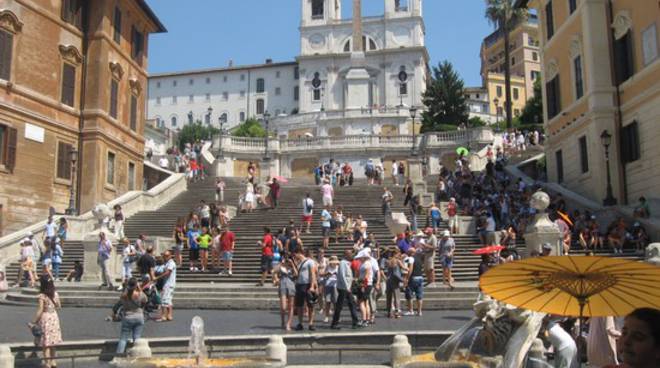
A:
(429, 249)
(546, 249)
(446, 247)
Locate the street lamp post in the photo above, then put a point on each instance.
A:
(210, 112)
(71, 211)
(606, 140)
(190, 117)
(221, 121)
(266, 118)
(413, 114)
(496, 101)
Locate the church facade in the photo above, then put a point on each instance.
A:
(340, 84)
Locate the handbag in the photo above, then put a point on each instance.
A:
(36, 330)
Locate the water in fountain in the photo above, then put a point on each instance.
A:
(196, 347)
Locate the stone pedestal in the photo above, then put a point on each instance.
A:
(357, 83)
(276, 349)
(221, 168)
(90, 258)
(542, 230)
(467, 225)
(267, 170)
(419, 185)
(399, 350)
(653, 254)
(397, 223)
(6, 357)
(140, 350)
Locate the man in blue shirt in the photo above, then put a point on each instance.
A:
(193, 246)
(325, 226)
(402, 243)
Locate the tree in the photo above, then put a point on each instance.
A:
(195, 132)
(444, 99)
(533, 111)
(250, 128)
(504, 15)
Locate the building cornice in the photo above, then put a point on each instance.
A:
(222, 69)
(381, 52)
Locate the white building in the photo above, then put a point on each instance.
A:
(479, 104)
(311, 95)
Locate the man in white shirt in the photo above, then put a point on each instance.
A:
(395, 173)
(164, 163)
(308, 212)
(51, 229)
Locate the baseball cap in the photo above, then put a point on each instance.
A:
(547, 246)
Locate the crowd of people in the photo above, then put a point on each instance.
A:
(187, 161)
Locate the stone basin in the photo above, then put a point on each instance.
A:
(208, 363)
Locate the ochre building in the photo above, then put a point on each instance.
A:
(72, 79)
(601, 72)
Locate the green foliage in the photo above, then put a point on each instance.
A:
(533, 111)
(195, 132)
(250, 128)
(503, 13)
(444, 99)
(476, 121)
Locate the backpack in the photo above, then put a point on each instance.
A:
(308, 206)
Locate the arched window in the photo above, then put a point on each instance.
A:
(317, 9)
(173, 121)
(260, 106)
(366, 41)
(242, 116)
(261, 85)
(224, 117)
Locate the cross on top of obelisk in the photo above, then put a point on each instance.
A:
(357, 26)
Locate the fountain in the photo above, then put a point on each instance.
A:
(500, 336)
(198, 356)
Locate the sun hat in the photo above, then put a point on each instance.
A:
(26, 240)
(446, 233)
(547, 246)
(364, 253)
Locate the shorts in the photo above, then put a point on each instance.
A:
(194, 254)
(447, 262)
(287, 288)
(307, 219)
(127, 270)
(203, 250)
(266, 263)
(416, 288)
(227, 255)
(330, 295)
(363, 293)
(428, 261)
(166, 296)
(178, 247)
(453, 221)
(327, 201)
(302, 295)
(325, 231)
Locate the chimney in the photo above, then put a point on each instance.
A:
(231, 63)
(269, 61)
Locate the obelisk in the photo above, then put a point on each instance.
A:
(357, 78)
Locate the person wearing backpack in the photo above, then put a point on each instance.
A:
(266, 245)
(56, 258)
(308, 212)
(129, 256)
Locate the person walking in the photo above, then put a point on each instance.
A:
(132, 323)
(402, 172)
(429, 248)
(308, 212)
(179, 240)
(27, 264)
(103, 260)
(266, 245)
(306, 288)
(327, 191)
(129, 257)
(219, 190)
(56, 254)
(387, 199)
(119, 222)
(227, 245)
(193, 247)
(452, 215)
(45, 325)
(446, 247)
(365, 284)
(395, 269)
(344, 286)
(167, 294)
(274, 193)
(286, 289)
(395, 173)
(414, 282)
(62, 229)
(329, 277)
(204, 240)
(326, 218)
(146, 264)
(435, 216)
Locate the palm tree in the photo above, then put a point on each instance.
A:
(504, 15)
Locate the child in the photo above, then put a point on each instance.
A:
(193, 246)
(76, 273)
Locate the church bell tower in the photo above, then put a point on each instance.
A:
(316, 12)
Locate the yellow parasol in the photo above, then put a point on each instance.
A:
(575, 286)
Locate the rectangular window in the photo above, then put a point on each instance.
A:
(261, 85)
(535, 56)
(260, 106)
(157, 100)
(68, 84)
(316, 95)
(8, 143)
(516, 93)
(134, 106)
(277, 74)
(110, 166)
(296, 73)
(208, 80)
(173, 100)
(584, 154)
(572, 5)
(630, 145)
(131, 176)
(242, 77)
(64, 160)
(191, 81)
(579, 85)
(71, 12)
(208, 97)
(224, 78)
(559, 160)
(242, 116)
(117, 25)
(534, 74)
(191, 98)
(6, 50)
(296, 93)
(114, 91)
(173, 83)
(499, 91)
(549, 20)
(157, 84)
(137, 47)
(513, 61)
(278, 91)
(650, 44)
(317, 9)
(623, 58)
(242, 94)
(552, 96)
(225, 96)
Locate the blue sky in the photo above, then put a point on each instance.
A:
(208, 33)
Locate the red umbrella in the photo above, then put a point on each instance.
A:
(281, 179)
(488, 250)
